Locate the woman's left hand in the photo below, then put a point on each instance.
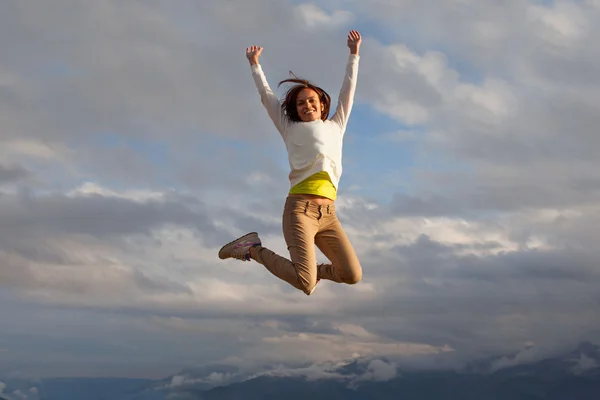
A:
(354, 41)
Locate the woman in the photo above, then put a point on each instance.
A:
(314, 146)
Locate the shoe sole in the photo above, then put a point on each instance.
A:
(224, 249)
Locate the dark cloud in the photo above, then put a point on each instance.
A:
(96, 215)
(111, 217)
(434, 295)
(12, 173)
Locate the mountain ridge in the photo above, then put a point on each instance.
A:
(573, 374)
(547, 378)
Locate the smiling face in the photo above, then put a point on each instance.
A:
(308, 105)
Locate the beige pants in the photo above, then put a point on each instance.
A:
(306, 224)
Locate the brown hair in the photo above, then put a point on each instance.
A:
(289, 103)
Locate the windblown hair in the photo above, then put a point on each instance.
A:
(289, 103)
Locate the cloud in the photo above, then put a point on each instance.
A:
(294, 347)
(527, 356)
(353, 371)
(128, 156)
(311, 373)
(564, 23)
(583, 363)
(20, 390)
(211, 380)
(12, 173)
(312, 16)
(144, 82)
(380, 371)
(505, 129)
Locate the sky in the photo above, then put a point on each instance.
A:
(133, 145)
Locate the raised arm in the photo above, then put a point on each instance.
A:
(346, 96)
(267, 96)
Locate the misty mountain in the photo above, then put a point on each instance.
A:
(571, 376)
(586, 354)
(77, 389)
(94, 388)
(417, 386)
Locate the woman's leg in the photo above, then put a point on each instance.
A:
(335, 245)
(300, 225)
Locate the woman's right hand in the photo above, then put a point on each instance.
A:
(253, 53)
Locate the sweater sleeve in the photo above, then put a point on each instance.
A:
(268, 98)
(346, 96)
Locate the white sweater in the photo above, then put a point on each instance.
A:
(317, 145)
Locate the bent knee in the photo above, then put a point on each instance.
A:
(307, 286)
(353, 278)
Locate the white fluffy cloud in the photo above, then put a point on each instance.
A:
(312, 16)
(380, 371)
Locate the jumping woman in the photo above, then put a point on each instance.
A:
(314, 146)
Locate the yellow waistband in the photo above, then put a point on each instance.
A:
(318, 184)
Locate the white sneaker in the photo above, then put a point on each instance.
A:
(240, 247)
